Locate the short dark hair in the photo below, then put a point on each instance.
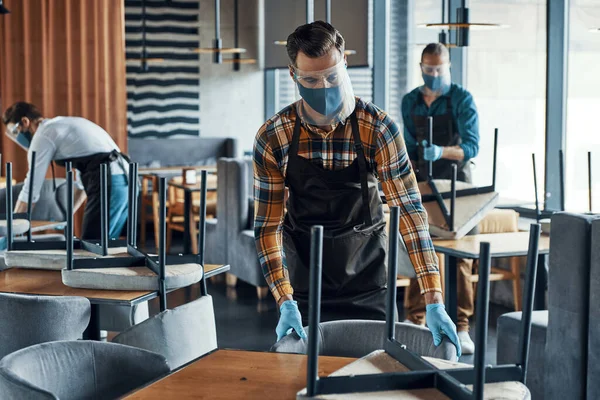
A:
(315, 40)
(436, 49)
(20, 109)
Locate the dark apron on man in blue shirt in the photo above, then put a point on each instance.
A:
(444, 134)
(347, 203)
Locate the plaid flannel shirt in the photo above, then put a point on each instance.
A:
(385, 152)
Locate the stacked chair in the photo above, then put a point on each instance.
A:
(55, 365)
(398, 366)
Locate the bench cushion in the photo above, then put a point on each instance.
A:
(132, 278)
(51, 259)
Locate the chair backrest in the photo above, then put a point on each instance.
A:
(593, 385)
(357, 338)
(166, 152)
(78, 370)
(51, 205)
(569, 323)
(29, 320)
(180, 335)
(239, 186)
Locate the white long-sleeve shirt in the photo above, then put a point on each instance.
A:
(66, 138)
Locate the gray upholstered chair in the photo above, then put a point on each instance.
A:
(563, 357)
(29, 320)
(78, 370)
(357, 338)
(180, 335)
(240, 245)
(51, 205)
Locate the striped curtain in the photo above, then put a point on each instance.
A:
(165, 100)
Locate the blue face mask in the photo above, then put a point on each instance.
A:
(438, 83)
(325, 101)
(24, 139)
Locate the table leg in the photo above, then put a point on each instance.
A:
(541, 281)
(451, 298)
(92, 332)
(187, 210)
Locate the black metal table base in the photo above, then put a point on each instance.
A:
(422, 374)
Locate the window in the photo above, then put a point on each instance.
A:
(506, 74)
(583, 102)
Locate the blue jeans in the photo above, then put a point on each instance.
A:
(118, 205)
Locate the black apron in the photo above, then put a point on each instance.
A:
(347, 203)
(444, 134)
(89, 168)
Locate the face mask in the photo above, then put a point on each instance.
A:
(24, 139)
(325, 101)
(440, 83)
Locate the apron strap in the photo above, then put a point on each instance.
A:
(362, 166)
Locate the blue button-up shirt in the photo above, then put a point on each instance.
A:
(464, 113)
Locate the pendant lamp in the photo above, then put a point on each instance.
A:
(442, 36)
(310, 17)
(218, 50)
(462, 25)
(144, 54)
(237, 60)
(3, 10)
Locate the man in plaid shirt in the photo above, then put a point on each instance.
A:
(330, 149)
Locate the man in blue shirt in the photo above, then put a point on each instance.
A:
(455, 141)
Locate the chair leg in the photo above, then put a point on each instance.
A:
(230, 279)
(515, 267)
(194, 233)
(155, 205)
(169, 233)
(262, 292)
(143, 213)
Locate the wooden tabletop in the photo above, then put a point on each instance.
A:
(214, 269)
(211, 184)
(233, 374)
(40, 282)
(38, 226)
(158, 170)
(501, 245)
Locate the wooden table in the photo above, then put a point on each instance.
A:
(233, 374)
(170, 170)
(188, 189)
(49, 283)
(149, 193)
(511, 244)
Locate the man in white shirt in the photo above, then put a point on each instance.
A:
(86, 146)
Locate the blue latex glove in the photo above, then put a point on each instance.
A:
(289, 319)
(431, 153)
(439, 323)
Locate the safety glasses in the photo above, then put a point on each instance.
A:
(329, 77)
(441, 69)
